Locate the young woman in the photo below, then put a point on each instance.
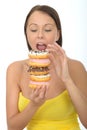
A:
(53, 107)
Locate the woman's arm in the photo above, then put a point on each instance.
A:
(18, 120)
(78, 92)
(74, 77)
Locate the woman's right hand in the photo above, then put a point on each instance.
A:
(38, 95)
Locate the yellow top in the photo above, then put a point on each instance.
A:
(57, 113)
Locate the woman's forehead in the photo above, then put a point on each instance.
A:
(40, 17)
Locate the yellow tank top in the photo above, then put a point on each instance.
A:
(57, 113)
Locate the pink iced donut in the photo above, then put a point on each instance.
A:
(34, 84)
(39, 62)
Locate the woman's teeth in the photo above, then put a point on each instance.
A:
(41, 47)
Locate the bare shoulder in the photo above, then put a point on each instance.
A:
(15, 69)
(17, 66)
(78, 73)
(14, 66)
(76, 66)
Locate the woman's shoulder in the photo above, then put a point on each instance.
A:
(78, 73)
(17, 66)
(73, 63)
(76, 68)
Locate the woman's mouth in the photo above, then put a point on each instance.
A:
(41, 47)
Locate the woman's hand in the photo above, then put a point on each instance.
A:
(59, 61)
(38, 95)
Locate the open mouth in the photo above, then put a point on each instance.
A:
(41, 46)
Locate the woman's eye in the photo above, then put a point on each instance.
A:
(33, 30)
(48, 30)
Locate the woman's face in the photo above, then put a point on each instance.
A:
(41, 30)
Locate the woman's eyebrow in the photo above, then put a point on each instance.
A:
(32, 24)
(44, 24)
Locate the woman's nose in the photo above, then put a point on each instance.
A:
(40, 34)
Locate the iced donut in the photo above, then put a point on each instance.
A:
(38, 54)
(40, 78)
(38, 70)
(34, 84)
(39, 62)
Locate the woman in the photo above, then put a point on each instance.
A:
(53, 107)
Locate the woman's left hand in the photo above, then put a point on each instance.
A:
(59, 60)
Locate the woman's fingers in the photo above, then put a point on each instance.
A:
(55, 48)
(59, 59)
(43, 92)
(35, 92)
(38, 94)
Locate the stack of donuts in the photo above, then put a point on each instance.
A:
(38, 68)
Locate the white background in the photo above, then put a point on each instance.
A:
(73, 15)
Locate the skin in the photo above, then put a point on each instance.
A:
(67, 73)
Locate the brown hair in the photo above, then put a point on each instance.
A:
(52, 13)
